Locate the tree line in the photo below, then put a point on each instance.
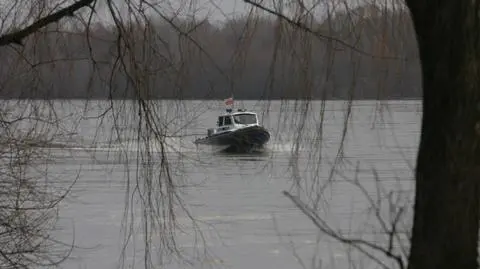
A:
(61, 60)
(370, 53)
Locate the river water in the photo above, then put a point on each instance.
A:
(242, 218)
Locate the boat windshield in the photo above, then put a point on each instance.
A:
(245, 119)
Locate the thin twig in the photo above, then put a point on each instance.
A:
(17, 37)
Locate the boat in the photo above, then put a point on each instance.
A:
(236, 131)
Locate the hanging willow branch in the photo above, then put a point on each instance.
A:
(16, 37)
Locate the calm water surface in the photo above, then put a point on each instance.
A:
(242, 215)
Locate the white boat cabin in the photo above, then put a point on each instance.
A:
(234, 120)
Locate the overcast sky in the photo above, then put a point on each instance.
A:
(216, 10)
(219, 10)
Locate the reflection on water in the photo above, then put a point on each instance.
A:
(244, 220)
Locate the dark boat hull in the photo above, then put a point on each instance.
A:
(241, 140)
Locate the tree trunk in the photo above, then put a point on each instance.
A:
(446, 221)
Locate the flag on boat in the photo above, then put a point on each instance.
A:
(229, 101)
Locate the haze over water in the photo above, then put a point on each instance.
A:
(242, 214)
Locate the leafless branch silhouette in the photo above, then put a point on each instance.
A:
(144, 53)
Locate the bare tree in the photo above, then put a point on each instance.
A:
(28, 200)
(28, 208)
(447, 187)
(446, 223)
(133, 59)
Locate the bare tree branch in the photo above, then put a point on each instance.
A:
(303, 27)
(358, 244)
(18, 36)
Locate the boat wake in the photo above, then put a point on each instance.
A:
(171, 145)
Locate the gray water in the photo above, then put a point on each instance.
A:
(244, 218)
